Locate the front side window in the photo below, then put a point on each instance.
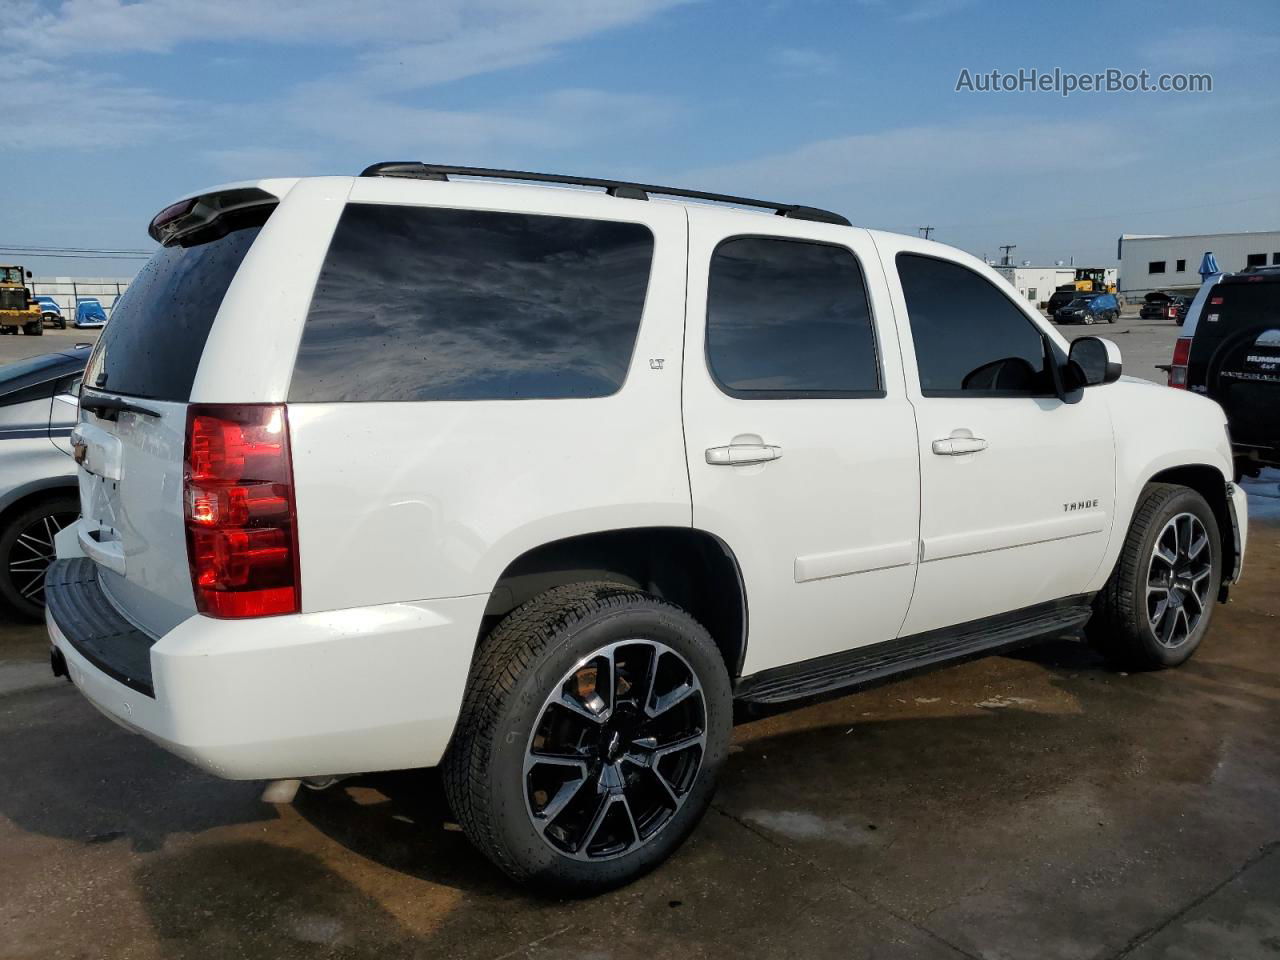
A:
(426, 303)
(788, 319)
(970, 339)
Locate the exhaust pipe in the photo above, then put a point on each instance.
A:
(58, 663)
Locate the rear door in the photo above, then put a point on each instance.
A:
(132, 458)
(800, 440)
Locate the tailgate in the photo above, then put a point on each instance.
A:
(131, 510)
(131, 436)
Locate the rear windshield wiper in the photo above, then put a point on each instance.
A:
(106, 406)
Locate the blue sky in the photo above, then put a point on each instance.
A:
(849, 105)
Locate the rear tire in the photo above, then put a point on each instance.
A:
(26, 550)
(34, 329)
(1156, 607)
(628, 777)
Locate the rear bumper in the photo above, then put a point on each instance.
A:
(346, 691)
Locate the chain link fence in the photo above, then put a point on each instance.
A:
(66, 292)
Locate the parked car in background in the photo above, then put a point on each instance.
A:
(1159, 305)
(1060, 298)
(1229, 351)
(1090, 308)
(1153, 305)
(1177, 311)
(90, 314)
(51, 313)
(38, 495)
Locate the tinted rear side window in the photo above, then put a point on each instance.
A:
(422, 303)
(788, 318)
(152, 345)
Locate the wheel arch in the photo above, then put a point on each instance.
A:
(1209, 482)
(23, 496)
(691, 568)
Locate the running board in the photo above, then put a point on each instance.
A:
(866, 666)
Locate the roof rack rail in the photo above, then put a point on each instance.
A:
(615, 188)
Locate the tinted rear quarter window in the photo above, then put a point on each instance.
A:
(789, 318)
(426, 303)
(153, 343)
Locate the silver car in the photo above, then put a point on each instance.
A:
(38, 492)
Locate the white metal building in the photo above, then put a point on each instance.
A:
(1038, 283)
(1150, 263)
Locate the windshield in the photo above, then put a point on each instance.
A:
(1078, 302)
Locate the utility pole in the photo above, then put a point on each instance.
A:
(1007, 248)
(925, 231)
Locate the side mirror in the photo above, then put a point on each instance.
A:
(1092, 361)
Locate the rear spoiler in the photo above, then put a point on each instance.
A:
(207, 217)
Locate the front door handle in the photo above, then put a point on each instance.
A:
(958, 446)
(739, 453)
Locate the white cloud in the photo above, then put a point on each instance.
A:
(928, 154)
(415, 44)
(916, 11)
(85, 111)
(924, 10)
(802, 61)
(555, 120)
(1206, 45)
(398, 46)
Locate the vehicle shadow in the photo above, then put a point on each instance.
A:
(68, 772)
(402, 820)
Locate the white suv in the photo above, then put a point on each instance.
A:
(421, 468)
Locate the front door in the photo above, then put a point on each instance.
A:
(1017, 486)
(800, 440)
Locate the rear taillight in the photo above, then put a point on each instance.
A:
(242, 537)
(1178, 371)
(1171, 313)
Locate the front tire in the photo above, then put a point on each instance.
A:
(1156, 607)
(595, 721)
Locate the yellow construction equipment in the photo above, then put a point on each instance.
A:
(17, 307)
(1093, 280)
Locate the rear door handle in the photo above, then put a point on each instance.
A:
(739, 453)
(958, 446)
